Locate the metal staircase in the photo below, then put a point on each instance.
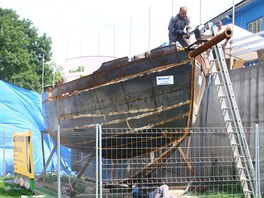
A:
(236, 133)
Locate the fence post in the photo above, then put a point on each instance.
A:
(100, 161)
(257, 165)
(58, 153)
(96, 160)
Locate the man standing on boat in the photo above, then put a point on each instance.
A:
(179, 28)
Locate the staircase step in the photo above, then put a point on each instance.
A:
(226, 108)
(224, 96)
(219, 84)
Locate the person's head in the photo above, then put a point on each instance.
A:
(183, 11)
(219, 24)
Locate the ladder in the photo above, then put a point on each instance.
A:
(235, 130)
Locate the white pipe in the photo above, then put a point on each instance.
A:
(248, 36)
(200, 11)
(233, 25)
(256, 42)
(247, 50)
(80, 47)
(130, 30)
(98, 44)
(172, 12)
(149, 27)
(114, 42)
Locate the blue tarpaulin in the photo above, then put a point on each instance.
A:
(20, 111)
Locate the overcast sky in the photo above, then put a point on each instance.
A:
(108, 27)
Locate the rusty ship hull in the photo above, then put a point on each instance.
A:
(161, 90)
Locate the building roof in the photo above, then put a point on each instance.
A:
(228, 13)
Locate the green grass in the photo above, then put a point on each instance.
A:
(9, 190)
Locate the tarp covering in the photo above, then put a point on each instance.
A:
(20, 108)
(20, 111)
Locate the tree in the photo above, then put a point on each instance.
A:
(56, 74)
(79, 69)
(22, 51)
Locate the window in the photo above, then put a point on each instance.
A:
(255, 26)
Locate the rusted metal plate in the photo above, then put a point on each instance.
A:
(157, 91)
(130, 69)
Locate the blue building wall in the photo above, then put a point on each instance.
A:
(247, 14)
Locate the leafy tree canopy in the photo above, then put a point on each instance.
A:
(22, 52)
(79, 69)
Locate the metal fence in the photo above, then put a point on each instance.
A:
(193, 163)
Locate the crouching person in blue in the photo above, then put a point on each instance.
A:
(160, 192)
(180, 27)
